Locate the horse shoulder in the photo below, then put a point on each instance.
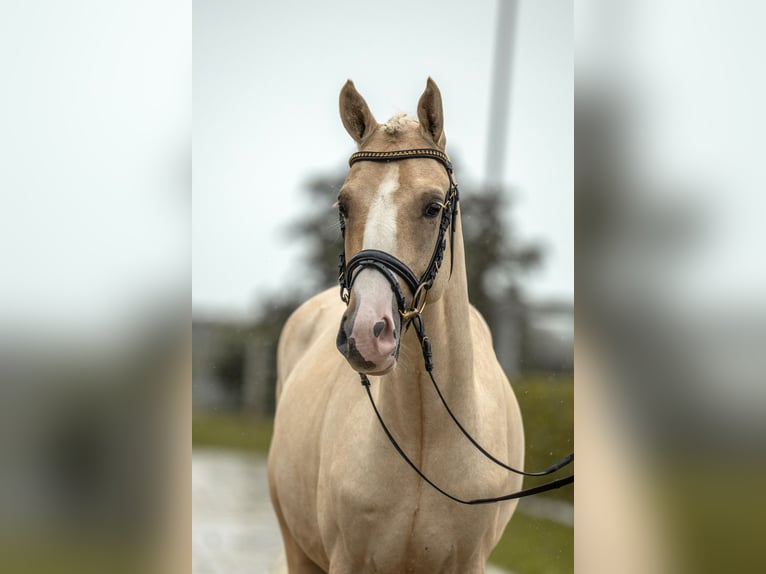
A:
(302, 329)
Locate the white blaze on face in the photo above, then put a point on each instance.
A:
(380, 230)
(375, 299)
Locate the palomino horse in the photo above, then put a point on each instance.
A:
(346, 501)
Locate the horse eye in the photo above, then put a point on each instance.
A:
(432, 209)
(343, 209)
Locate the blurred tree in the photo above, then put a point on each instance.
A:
(261, 374)
(319, 231)
(229, 361)
(494, 261)
(245, 358)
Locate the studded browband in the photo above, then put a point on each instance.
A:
(401, 154)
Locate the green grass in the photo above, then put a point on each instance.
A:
(232, 430)
(67, 552)
(547, 407)
(535, 546)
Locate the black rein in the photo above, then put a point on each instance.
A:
(390, 267)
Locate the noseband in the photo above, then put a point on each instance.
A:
(391, 267)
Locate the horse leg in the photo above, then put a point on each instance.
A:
(297, 560)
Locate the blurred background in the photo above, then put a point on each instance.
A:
(95, 177)
(95, 163)
(671, 286)
(270, 155)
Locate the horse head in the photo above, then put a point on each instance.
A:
(395, 208)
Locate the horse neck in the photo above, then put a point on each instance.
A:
(407, 390)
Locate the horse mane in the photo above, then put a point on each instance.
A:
(397, 123)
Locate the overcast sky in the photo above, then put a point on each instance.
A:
(266, 77)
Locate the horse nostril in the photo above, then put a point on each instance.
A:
(378, 328)
(342, 340)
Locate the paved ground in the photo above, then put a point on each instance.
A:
(234, 530)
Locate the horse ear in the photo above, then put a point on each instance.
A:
(356, 116)
(430, 114)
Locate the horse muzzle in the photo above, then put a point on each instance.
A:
(369, 331)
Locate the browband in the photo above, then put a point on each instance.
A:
(401, 154)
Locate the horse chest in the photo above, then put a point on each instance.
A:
(380, 517)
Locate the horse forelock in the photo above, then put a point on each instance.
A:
(398, 124)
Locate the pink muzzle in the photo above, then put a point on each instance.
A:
(368, 336)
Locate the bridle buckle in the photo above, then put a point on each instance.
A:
(418, 303)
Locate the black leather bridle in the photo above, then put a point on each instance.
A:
(391, 267)
(386, 263)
